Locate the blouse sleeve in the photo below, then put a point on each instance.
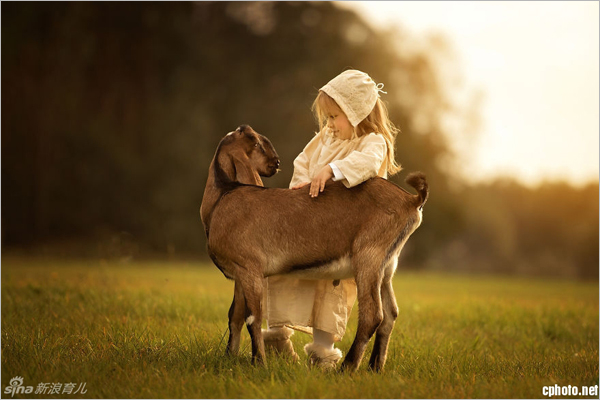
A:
(365, 162)
(302, 162)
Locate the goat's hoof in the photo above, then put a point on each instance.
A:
(348, 367)
(230, 353)
(259, 361)
(376, 365)
(376, 368)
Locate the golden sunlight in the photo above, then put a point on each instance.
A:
(537, 66)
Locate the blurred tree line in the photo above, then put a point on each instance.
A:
(111, 113)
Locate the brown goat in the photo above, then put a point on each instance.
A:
(254, 232)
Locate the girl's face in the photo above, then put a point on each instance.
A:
(338, 123)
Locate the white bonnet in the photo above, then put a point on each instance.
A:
(355, 92)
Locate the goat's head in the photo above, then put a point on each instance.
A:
(251, 154)
(260, 151)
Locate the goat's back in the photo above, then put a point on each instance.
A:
(288, 227)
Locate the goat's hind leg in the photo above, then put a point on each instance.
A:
(237, 313)
(370, 315)
(390, 313)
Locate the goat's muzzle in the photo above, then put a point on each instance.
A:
(273, 167)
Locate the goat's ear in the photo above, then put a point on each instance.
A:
(244, 173)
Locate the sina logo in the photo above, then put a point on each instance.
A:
(16, 386)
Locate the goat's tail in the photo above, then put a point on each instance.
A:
(418, 181)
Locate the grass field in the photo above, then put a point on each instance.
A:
(158, 330)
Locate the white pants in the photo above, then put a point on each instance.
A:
(304, 304)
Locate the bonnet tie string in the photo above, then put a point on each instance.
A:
(379, 87)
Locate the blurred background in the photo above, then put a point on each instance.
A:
(111, 113)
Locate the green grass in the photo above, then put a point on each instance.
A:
(158, 330)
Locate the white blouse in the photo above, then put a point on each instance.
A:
(357, 159)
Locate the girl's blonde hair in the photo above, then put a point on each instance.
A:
(377, 121)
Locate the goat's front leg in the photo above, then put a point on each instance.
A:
(370, 315)
(237, 313)
(252, 286)
(390, 313)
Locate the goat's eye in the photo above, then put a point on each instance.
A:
(260, 146)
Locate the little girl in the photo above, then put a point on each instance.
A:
(355, 142)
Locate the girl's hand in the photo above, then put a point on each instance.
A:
(300, 185)
(318, 183)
